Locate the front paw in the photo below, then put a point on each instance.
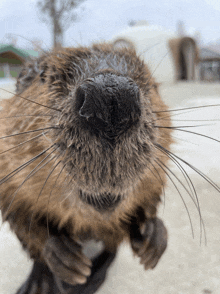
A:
(150, 242)
(65, 259)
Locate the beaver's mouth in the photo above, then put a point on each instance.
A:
(101, 202)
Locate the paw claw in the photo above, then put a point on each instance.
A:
(152, 243)
(66, 260)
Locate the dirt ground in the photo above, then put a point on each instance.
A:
(189, 265)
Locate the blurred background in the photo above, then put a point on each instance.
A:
(27, 28)
(180, 42)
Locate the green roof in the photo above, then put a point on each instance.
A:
(20, 52)
(32, 53)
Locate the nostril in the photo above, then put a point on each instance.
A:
(83, 103)
(86, 110)
(91, 102)
(80, 98)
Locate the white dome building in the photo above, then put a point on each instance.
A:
(169, 57)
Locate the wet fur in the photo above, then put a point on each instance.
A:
(44, 202)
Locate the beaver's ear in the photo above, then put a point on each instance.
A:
(30, 71)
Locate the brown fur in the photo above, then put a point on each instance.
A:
(28, 208)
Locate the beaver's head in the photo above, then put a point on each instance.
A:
(105, 126)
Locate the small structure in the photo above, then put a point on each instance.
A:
(169, 57)
(12, 59)
(209, 65)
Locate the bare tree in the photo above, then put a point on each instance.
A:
(59, 15)
(12, 39)
(37, 44)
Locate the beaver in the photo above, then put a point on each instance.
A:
(82, 165)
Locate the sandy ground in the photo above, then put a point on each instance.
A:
(189, 266)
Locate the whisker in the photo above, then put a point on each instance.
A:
(162, 59)
(194, 133)
(160, 180)
(50, 196)
(197, 200)
(184, 173)
(50, 173)
(29, 100)
(15, 116)
(215, 120)
(38, 46)
(191, 187)
(171, 115)
(190, 220)
(176, 139)
(18, 169)
(214, 185)
(182, 140)
(149, 48)
(186, 108)
(66, 197)
(184, 111)
(179, 127)
(28, 132)
(22, 143)
(34, 171)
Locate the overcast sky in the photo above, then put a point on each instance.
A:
(101, 19)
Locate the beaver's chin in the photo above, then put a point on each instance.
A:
(101, 202)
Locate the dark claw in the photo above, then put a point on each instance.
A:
(65, 259)
(150, 243)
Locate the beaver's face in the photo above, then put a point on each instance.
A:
(105, 128)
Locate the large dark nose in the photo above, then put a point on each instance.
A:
(109, 102)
